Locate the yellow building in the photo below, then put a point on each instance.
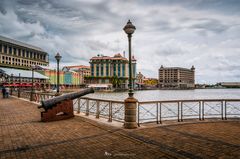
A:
(176, 77)
(17, 54)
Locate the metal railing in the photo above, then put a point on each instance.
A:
(37, 96)
(110, 109)
(158, 111)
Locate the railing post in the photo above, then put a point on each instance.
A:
(110, 112)
(202, 110)
(160, 114)
(225, 110)
(87, 107)
(181, 111)
(157, 113)
(130, 113)
(178, 111)
(79, 102)
(222, 109)
(199, 110)
(97, 110)
(138, 108)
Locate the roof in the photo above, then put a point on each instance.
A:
(23, 73)
(180, 68)
(12, 41)
(115, 57)
(77, 66)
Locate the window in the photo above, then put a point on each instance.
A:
(123, 70)
(14, 51)
(19, 52)
(31, 54)
(10, 50)
(114, 69)
(92, 70)
(27, 53)
(0, 47)
(5, 48)
(101, 69)
(119, 70)
(97, 67)
(107, 69)
(23, 53)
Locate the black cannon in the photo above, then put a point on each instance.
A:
(61, 107)
(49, 103)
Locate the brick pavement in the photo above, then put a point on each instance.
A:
(22, 135)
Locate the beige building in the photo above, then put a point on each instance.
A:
(111, 70)
(16, 54)
(176, 77)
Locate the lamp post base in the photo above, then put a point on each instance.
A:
(130, 113)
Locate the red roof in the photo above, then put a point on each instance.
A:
(78, 66)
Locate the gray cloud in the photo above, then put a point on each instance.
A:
(173, 33)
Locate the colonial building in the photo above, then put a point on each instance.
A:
(111, 70)
(17, 54)
(176, 77)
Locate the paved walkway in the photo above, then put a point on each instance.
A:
(22, 135)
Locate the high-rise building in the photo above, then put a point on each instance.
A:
(111, 70)
(16, 54)
(176, 77)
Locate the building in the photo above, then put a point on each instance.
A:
(16, 54)
(22, 78)
(84, 71)
(230, 84)
(67, 79)
(176, 77)
(111, 70)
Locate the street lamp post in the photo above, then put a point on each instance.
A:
(129, 30)
(32, 89)
(58, 58)
(130, 103)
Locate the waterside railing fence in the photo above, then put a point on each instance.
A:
(151, 111)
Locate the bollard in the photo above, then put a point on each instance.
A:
(130, 113)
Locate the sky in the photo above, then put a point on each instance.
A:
(172, 33)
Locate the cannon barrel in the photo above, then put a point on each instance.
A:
(49, 103)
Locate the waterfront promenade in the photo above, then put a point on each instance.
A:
(22, 135)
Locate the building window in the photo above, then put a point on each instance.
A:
(114, 69)
(10, 50)
(123, 70)
(97, 67)
(5, 48)
(0, 47)
(119, 70)
(14, 51)
(101, 69)
(107, 69)
(23, 53)
(31, 55)
(19, 52)
(27, 53)
(92, 70)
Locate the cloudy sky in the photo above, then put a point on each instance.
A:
(182, 33)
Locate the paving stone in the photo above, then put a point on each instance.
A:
(23, 135)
